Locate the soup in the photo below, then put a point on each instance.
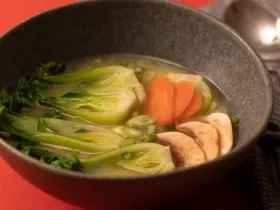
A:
(117, 116)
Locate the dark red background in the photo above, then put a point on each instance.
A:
(18, 194)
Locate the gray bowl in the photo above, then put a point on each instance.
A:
(143, 27)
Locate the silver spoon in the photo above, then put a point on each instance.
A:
(256, 25)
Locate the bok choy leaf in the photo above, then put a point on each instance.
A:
(32, 149)
(145, 158)
(63, 133)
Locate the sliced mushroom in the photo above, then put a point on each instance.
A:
(185, 151)
(205, 135)
(222, 123)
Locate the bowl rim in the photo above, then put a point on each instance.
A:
(178, 172)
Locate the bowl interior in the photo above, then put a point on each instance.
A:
(153, 28)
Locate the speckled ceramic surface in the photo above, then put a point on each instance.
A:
(155, 28)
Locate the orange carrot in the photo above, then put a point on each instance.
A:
(193, 107)
(183, 95)
(159, 103)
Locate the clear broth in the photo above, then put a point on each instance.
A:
(219, 101)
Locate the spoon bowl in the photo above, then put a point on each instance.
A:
(256, 25)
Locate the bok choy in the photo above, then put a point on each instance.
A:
(106, 108)
(77, 136)
(106, 95)
(80, 120)
(145, 158)
(32, 149)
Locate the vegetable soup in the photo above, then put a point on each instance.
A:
(117, 115)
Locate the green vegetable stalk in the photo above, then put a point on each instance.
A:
(145, 158)
(141, 121)
(106, 95)
(106, 108)
(77, 136)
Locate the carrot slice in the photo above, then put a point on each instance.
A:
(183, 95)
(159, 103)
(193, 107)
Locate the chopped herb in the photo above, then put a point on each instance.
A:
(234, 120)
(172, 127)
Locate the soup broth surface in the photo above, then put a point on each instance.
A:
(137, 161)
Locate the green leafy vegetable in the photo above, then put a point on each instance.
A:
(205, 91)
(63, 133)
(127, 132)
(106, 95)
(107, 108)
(234, 120)
(54, 113)
(172, 127)
(66, 162)
(91, 74)
(32, 149)
(148, 138)
(5, 134)
(49, 69)
(42, 127)
(30, 87)
(12, 100)
(146, 158)
(141, 121)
